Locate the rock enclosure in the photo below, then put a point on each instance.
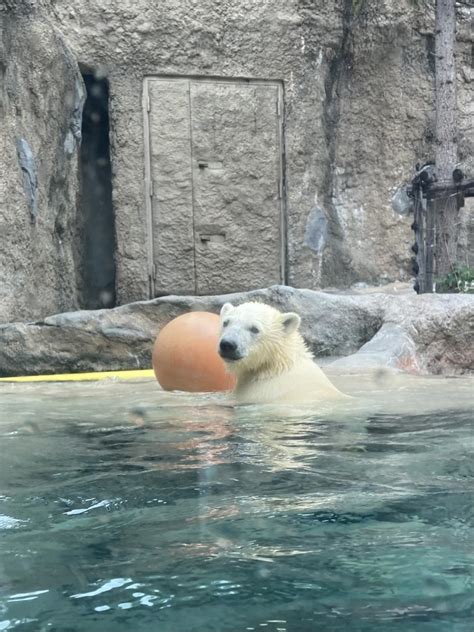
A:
(358, 113)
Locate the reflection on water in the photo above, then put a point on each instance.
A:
(125, 508)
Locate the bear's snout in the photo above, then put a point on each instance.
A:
(228, 349)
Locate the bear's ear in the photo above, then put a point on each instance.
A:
(290, 322)
(226, 308)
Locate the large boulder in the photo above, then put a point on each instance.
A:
(418, 333)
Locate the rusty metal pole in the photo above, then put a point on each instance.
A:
(419, 246)
(430, 241)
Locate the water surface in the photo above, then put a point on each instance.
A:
(124, 508)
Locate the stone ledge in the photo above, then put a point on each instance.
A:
(429, 333)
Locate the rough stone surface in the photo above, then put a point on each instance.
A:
(420, 334)
(391, 347)
(358, 114)
(40, 108)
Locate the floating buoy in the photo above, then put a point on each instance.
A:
(185, 355)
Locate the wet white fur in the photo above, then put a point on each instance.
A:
(276, 366)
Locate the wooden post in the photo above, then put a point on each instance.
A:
(445, 205)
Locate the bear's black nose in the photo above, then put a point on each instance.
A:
(228, 349)
(228, 346)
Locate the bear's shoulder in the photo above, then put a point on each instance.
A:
(304, 382)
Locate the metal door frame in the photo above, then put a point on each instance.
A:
(280, 117)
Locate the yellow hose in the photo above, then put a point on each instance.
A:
(82, 377)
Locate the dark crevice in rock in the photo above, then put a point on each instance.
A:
(96, 213)
(21, 7)
(430, 51)
(336, 263)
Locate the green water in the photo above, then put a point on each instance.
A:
(126, 509)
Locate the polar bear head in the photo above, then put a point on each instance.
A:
(257, 338)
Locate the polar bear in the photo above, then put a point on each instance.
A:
(269, 357)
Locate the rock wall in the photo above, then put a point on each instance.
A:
(358, 113)
(359, 108)
(41, 97)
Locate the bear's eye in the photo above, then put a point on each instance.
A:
(254, 330)
(225, 323)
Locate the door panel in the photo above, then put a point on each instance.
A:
(216, 170)
(172, 187)
(234, 131)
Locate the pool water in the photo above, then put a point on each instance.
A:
(123, 508)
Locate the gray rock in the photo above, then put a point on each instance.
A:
(39, 105)
(391, 347)
(30, 176)
(316, 230)
(401, 203)
(416, 333)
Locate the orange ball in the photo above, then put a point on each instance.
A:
(185, 355)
